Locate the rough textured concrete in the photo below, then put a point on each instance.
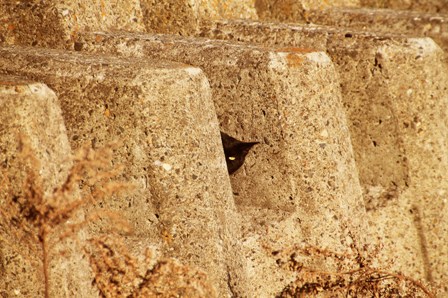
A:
(171, 150)
(432, 6)
(57, 23)
(394, 92)
(183, 17)
(299, 184)
(285, 10)
(30, 112)
(384, 20)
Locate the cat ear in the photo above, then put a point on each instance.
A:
(247, 146)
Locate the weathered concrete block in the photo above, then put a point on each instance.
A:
(394, 92)
(57, 23)
(163, 114)
(284, 10)
(30, 112)
(183, 17)
(432, 6)
(385, 20)
(300, 183)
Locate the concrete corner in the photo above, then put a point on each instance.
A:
(57, 23)
(30, 112)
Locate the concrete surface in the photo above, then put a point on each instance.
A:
(284, 10)
(298, 185)
(162, 113)
(57, 23)
(431, 6)
(30, 112)
(394, 92)
(412, 23)
(183, 17)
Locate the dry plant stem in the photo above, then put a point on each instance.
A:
(45, 261)
(33, 218)
(355, 281)
(413, 281)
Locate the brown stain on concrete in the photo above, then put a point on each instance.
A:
(296, 50)
(294, 58)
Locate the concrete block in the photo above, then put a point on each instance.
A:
(416, 24)
(394, 93)
(29, 111)
(163, 114)
(430, 6)
(183, 17)
(284, 10)
(56, 23)
(299, 184)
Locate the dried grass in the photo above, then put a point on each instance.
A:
(119, 274)
(361, 279)
(37, 221)
(40, 220)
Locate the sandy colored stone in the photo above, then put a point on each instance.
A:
(182, 17)
(171, 150)
(233, 9)
(57, 23)
(432, 6)
(299, 184)
(287, 10)
(413, 23)
(416, 24)
(30, 113)
(394, 92)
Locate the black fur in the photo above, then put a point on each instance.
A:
(235, 151)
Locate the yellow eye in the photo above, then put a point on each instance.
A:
(232, 158)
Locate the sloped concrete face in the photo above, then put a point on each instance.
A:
(298, 183)
(394, 92)
(30, 113)
(57, 23)
(171, 150)
(421, 111)
(26, 108)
